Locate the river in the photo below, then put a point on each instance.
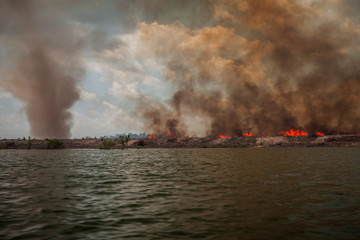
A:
(248, 193)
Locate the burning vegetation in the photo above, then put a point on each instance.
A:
(292, 132)
(223, 136)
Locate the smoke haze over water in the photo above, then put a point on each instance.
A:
(229, 66)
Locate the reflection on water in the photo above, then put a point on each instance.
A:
(273, 193)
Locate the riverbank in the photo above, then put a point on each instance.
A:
(192, 142)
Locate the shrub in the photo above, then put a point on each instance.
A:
(55, 144)
(124, 139)
(30, 142)
(141, 143)
(219, 145)
(107, 143)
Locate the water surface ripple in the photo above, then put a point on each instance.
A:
(271, 193)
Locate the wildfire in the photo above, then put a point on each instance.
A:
(172, 135)
(248, 134)
(292, 132)
(152, 136)
(320, 133)
(222, 136)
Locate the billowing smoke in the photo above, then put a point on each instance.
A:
(231, 66)
(267, 66)
(40, 65)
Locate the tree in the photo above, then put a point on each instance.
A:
(124, 140)
(55, 144)
(107, 143)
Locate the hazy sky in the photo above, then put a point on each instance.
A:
(196, 67)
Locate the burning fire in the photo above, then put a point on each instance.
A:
(292, 132)
(172, 135)
(222, 136)
(248, 134)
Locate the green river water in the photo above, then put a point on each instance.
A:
(255, 193)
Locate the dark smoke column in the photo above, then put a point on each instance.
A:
(48, 94)
(43, 68)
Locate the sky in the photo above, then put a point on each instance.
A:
(193, 67)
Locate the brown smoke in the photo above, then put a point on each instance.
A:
(268, 66)
(42, 68)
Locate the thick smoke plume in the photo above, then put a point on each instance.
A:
(40, 65)
(266, 67)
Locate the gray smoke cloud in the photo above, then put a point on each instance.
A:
(268, 66)
(41, 66)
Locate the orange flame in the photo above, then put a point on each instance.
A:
(292, 132)
(152, 136)
(248, 134)
(320, 133)
(223, 136)
(172, 135)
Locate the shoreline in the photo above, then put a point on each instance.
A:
(192, 142)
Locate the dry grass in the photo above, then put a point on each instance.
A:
(271, 141)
